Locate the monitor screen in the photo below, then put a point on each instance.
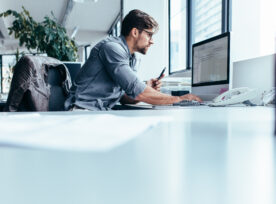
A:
(211, 61)
(210, 73)
(73, 68)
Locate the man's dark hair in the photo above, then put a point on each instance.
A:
(138, 19)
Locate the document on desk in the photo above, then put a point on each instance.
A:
(72, 132)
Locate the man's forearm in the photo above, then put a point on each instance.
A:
(127, 100)
(151, 96)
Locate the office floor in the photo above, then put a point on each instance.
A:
(204, 155)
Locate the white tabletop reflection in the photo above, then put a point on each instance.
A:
(204, 155)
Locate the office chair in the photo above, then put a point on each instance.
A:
(39, 84)
(57, 93)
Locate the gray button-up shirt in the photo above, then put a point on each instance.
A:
(106, 76)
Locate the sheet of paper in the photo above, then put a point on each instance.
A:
(89, 132)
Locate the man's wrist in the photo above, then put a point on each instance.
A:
(176, 99)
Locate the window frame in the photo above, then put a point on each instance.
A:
(114, 30)
(225, 27)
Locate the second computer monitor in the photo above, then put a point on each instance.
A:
(73, 68)
(210, 71)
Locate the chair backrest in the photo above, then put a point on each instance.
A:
(57, 95)
(38, 84)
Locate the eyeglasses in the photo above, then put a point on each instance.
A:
(150, 34)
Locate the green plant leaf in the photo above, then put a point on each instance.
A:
(46, 36)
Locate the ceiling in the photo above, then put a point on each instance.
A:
(90, 19)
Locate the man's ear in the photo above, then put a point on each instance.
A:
(134, 32)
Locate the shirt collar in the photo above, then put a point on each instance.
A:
(126, 46)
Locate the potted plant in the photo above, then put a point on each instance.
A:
(45, 37)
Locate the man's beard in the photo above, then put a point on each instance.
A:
(142, 50)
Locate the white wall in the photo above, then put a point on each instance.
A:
(85, 37)
(253, 28)
(253, 32)
(245, 29)
(157, 56)
(268, 27)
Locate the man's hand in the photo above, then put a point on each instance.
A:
(151, 96)
(190, 97)
(155, 83)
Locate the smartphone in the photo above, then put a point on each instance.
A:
(161, 73)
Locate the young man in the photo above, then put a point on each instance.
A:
(108, 76)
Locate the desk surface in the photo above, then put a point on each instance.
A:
(206, 155)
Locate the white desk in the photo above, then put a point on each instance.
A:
(206, 156)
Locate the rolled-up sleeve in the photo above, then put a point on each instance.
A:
(116, 63)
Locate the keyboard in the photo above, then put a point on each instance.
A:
(188, 103)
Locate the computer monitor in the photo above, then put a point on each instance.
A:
(210, 69)
(73, 68)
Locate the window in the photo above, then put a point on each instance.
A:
(118, 28)
(178, 41)
(192, 21)
(87, 50)
(206, 19)
(7, 64)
